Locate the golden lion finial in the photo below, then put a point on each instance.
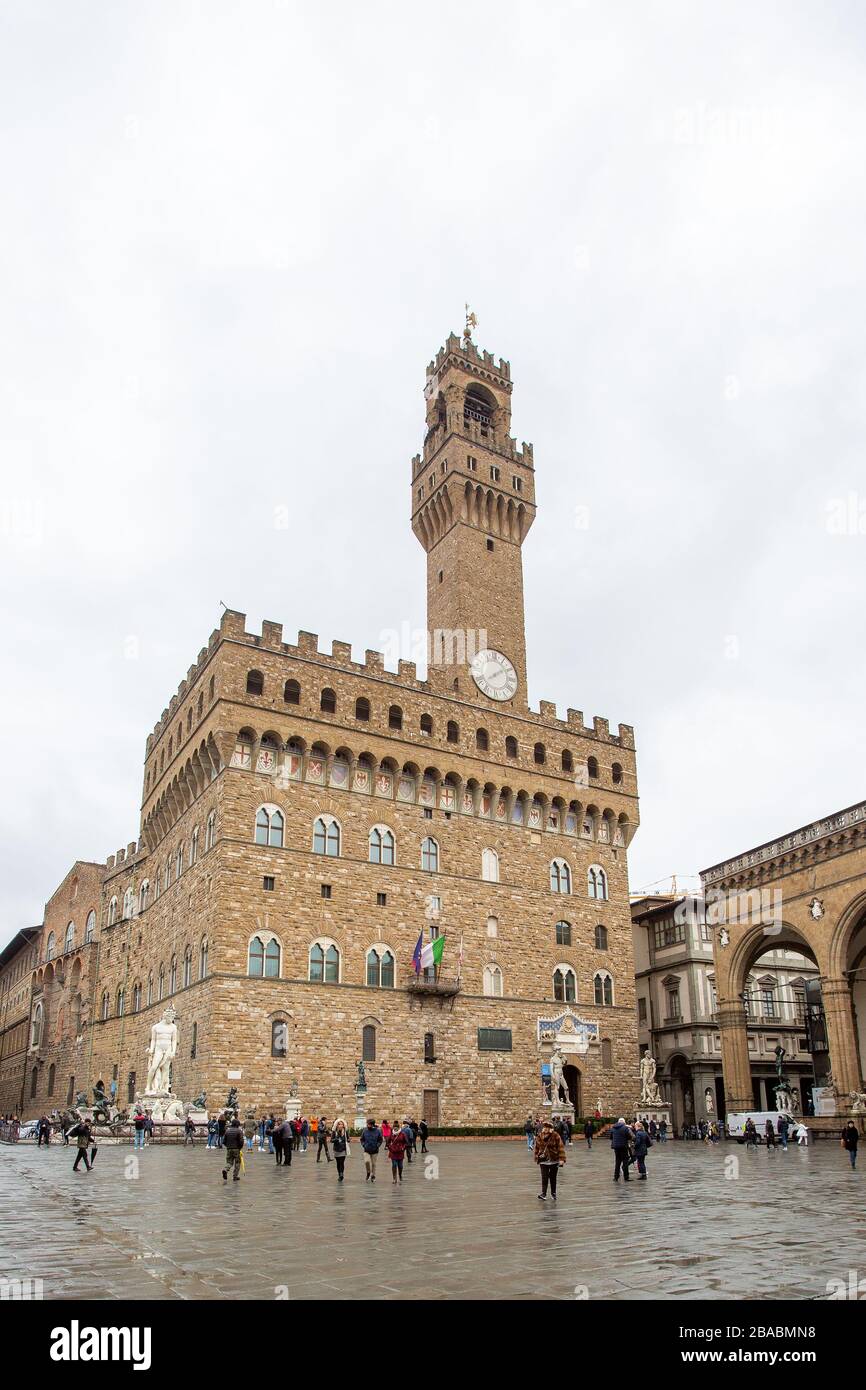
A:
(471, 322)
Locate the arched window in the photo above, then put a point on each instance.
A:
(362, 709)
(426, 724)
(493, 981)
(279, 1038)
(112, 912)
(255, 683)
(326, 836)
(52, 1072)
(89, 926)
(560, 876)
(150, 989)
(563, 933)
(324, 963)
(161, 983)
(381, 845)
(143, 894)
(511, 747)
(51, 946)
(136, 997)
(210, 831)
(430, 855)
(567, 761)
(187, 967)
(202, 959)
(292, 693)
(269, 826)
(603, 986)
(368, 1042)
(36, 1027)
(601, 938)
(193, 847)
(328, 701)
(564, 984)
(106, 1005)
(616, 773)
(178, 860)
(128, 904)
(490, 866)
(538, 754)
(452, 732)
(380, 968)
(69, 938)
(263, 959)
(606, 1053)
(592, 768)
(172, 976)
(482, 740)
(395, 717)
(596, 882)
(121, 999)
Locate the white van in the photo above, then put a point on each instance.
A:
(736, 1123)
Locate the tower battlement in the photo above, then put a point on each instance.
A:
(474, 360)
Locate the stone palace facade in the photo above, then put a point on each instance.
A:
(306, 816)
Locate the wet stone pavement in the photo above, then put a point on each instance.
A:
(163, 1225)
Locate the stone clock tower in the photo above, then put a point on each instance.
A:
(473, 501)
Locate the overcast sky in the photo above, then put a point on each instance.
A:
(233, 235)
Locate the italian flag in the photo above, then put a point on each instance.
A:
(427, 954)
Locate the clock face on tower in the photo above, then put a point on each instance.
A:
(494, 675)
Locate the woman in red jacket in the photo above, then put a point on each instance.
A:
(397, 1148)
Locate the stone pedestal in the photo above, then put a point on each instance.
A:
(645, 1113)
(293, 1108)
(360, 1107)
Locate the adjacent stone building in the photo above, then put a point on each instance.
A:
(306, 817)
(678, 1012)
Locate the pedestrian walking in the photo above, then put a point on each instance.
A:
(406, 1130)
(750, 1134)
(233, 1142)
(286, 1131)
(642, 1142)
(270, 1126)
(139, 1120)
(782, 1126)
(423, 1131)
(663, 1131)
(222, 1125)
(296, 1130)
(529, 1131)
(653, 1130)
(397, 1145)
(340, 1144)
(189, 1131)
(43, 1132)
(322, 1133)
(305, 1131)
(386, 1130)
(550, 1156)
(83, 1134)
(148, 1127)
(277, 1143)
(588, 1132)
(802, 1135)
(250, 1127)
(850, 1140)
(770, 1136)
(372, 1139)
(620, 1138)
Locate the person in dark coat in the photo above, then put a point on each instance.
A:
(423, 1131)
(340, 1145)
(850, 1140)
(371, 1143)
(233, 1143)
(588, 1132)
(620, 1137)
(222, 1126)
(276, 1136)
(549, 1154)
(83, 1135)
(770, 1136)
(642, 1142)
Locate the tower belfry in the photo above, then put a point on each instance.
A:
(473, 501)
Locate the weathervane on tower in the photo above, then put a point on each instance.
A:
(471, 322)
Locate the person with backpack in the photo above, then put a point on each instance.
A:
(550, 1157)
(371, 1142)
(750, 1133)
(233, 1142)
(322, 1133)
(406, 1131)
(642, 1142)
(620, 1139)
(423, 1131)
(397, 1145)
(83, 1134)
(340, 1143)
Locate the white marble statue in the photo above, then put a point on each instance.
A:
(649, 1094)
(858, 1102)
(163, 1046)
(558, 1084)
(708, 1101)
